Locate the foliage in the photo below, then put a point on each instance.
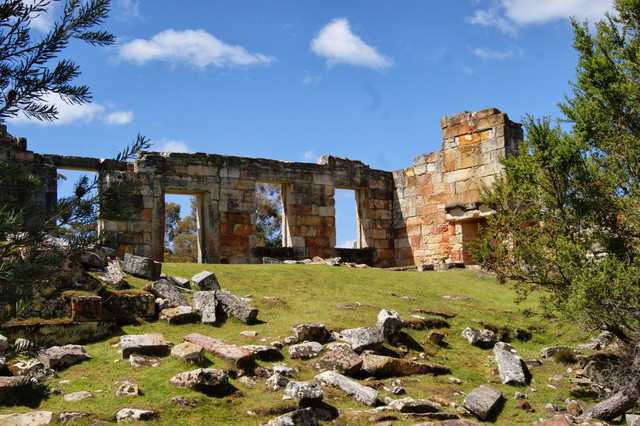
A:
(27, 76)
(566, 217)
(268, 215)
(181, 235)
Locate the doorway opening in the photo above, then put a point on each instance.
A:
(77, 207)
(346, 214)
(182, 228)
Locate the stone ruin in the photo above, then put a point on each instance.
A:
(425, 214)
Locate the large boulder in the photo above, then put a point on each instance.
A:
(144, 344)
(306, 394)
(342, 360)
(360, 393)
(482, 401)
(205, 303)
(236, 307)
(207, 380)
(361, 338)
(143, 267)
(510, 365)
(165, 290)
(205, 281)
(58, 357)
(239, 356)
(484, 339)
(311, 331)
(381, 366)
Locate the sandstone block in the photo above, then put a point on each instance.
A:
(509, 364)
(410, 405)
(58, 357)
(342, 360)
(205, 281)
(484, 339)
(189, 352)
(305, 394)
(205, 302)
(207, 380)
(241, 357)
(164, 289)
(383, 366)
(142, 267)
(482, 401)
(360, 393)
(234, 306)
(265, 353)
(361, 338)
(144, 344)
(311, 331)
(86, 308)
(179, 315)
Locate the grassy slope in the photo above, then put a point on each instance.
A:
(313, 293)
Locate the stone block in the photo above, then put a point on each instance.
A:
(205, 281)
(234, 306)
(205, 302)
(86, 308)
(241, 357)
(360, 393)
(144, 344)
(482, 401)
(142, 267)
(59, 357)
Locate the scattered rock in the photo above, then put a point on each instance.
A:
(177, 281)
(361, 338)
(143, 344)
(523, 335)
(604, 339)
(436, 337)
(509, 364)
(306, 394)
(410, 405)
(205, 281)
(207, 380)
(360, 393)
(32, 368)
(241, 357)
(234, 306)
(342, 360)
(525, 406)
(305, 417)
(77, 396)
(482, 401)
(27, 419)
(484, 339)
(311, 331)
(136, 360)
(381, 366)
(632, 419)
(127, 388)
(574, 408)
(4, 343)
(265, 353)
(189, 352)
(164, 289)
(248, 333)
(276, 382)
(68, 417)
(305, 350)
(143, 267)
(551, 351)
(205, 302)
(127, 415)
(391, 324)
(271, 260)
(179, 315)
(59, 357)
(284, 370)
(290, 340)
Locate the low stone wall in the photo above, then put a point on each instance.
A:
(59, 332)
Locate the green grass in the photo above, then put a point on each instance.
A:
(319, 293)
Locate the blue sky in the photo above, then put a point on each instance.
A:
(293, 80)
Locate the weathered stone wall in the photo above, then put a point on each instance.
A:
(428, 213)
(436, 202)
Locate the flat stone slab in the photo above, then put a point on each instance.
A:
(205, 302)
(410, 405)
(509, 364)
(236, 307)
(58, 357)
(205, 281)
(482, 401)
(145, 344)
(27, 419)
(127, 415)
(179, 315)
(360, 393)
(77, 396)
(136, 360)
(383, 366)
(361, 338)
(241, 357)
(189, 352)
(265, 353)
(165, 290)
(207, 380)
(342, 359)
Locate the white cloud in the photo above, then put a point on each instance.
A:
(311, 78)
(310, 156)
(346, 244)
(167, 145)
(69, 113)
(195, 47)
(126, 10)
(338, 44)
(42, 21)
(488, 54)
(467, 70)
(507, 15)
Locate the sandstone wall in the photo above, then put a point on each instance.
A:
(436, 202)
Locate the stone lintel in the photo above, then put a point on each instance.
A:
(468, 211)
